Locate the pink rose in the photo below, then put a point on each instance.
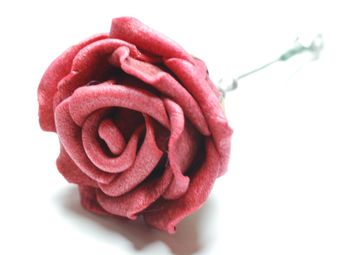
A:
(140, 125)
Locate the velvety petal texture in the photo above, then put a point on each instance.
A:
(140, 125)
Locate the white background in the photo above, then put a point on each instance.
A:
(287, 190)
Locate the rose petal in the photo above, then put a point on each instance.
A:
(74, 80)
(146, 160)
(182, 149)
(86, 100)
(197, 84)
(71, 171)
(112, 136)
(88, 200)
(96, 154)
(163, 82)
(91, 64)
(133, 31)
(126, 119)
(162, 137)
(91, 54)
(135, 201)
(202, 68)
(48, 85)
(70, 137)
(165, 214)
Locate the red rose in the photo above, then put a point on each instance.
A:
(139, 122)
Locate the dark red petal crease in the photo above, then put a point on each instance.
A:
(166, 214)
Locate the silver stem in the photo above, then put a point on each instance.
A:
(314, 47)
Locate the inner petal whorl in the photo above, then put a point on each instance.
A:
(98, 150)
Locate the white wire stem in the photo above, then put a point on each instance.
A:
(314, 47)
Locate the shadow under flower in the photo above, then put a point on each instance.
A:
(188, 238)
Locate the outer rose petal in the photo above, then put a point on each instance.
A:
(48, 85)
(135, 201)
(182, 146)
(70, 137)
(202, 68)
(199, 86)
(164, 215)
(133, 31)
(71, 171)
(92, 53)
(88, 200)
(91, 63)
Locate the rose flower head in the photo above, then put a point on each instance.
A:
(140, 125)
